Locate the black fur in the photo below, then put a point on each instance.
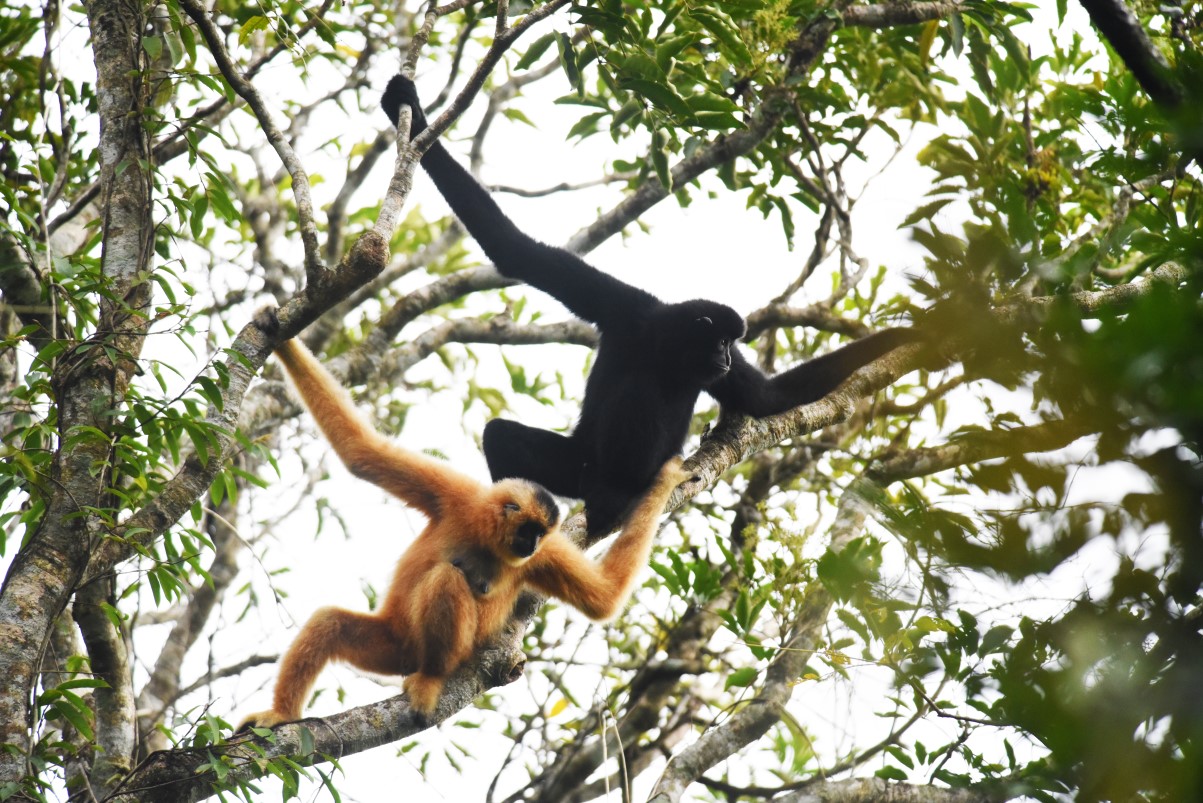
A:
(652, 361)
(480, 568)
(526, 539)
(551, 510)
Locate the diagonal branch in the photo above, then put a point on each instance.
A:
(23, 291)
(1123, 31)
(314, 268)
(731, 442)
(976, 447)
(176, 775)
(410, 151)
(201, 123)
(753, 720)
(249, 351)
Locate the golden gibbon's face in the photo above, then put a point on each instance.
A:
(528, 513)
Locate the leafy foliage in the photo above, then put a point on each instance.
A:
(992, 572)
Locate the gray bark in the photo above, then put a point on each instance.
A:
(87, 382)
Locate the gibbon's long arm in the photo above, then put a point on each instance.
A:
(745, 389)
(585, 291)
(599, 590)
(420, 481)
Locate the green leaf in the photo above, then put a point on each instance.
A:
(956, 26)
(994, 639)
(744, 676)
(153, 45)
(211, 391)
(926, 38)
(219, 199)
(629, 110)
(219, 767)
(77, 713)
(328, 782)
(661, 95)
(900, 756)
(925, 212)
(711, 102)
(517, 115)
(670, 578)
(727, 34)
(659, 156)
(638, 65)
(537, 49)
(248, 28)
(83, 683)
(929, 624)
(670, 48)
(568, 60)
(847, 572)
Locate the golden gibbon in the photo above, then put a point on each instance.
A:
(456, 585)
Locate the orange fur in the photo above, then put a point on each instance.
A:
(430, 622)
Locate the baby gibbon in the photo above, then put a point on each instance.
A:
(456, 585)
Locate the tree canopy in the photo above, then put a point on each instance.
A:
(971, 573)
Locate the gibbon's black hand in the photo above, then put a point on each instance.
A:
(653, 359)
(402, 92)
(455, 586)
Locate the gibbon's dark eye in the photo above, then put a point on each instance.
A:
(723, 343)
(511, 507)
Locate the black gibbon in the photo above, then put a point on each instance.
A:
(653, 358)
(504, 537)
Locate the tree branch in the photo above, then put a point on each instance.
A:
(116, 722)
(163, 686)
(498, 330)
(314, 267)
(1122, 30)
(873, 790)
(87, 381)
(23, 292)
(173, 776)
(816, 316)
(753, 720)
(365, 260)
(895, 14)
(976, 447)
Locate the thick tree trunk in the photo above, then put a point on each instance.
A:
(88, 381)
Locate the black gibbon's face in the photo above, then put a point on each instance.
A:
(702, 333)
(714, 345)
(529, 513)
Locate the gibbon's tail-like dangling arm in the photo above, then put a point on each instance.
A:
(420, 481)
(585, 291)
(746, 390)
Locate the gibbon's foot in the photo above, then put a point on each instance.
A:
(262, 719)
(267, 320)
(423, 691)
